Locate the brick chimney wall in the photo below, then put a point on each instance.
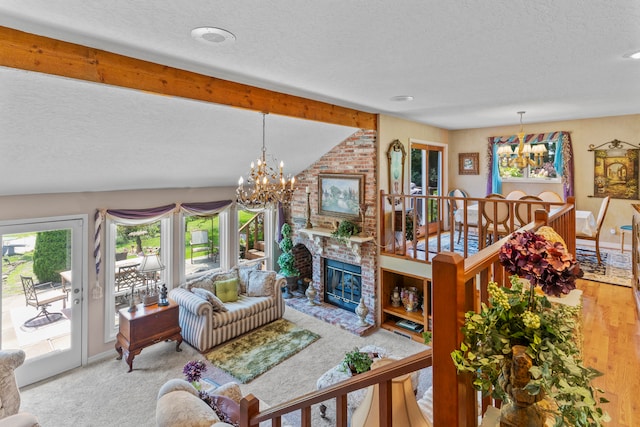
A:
(355, 155)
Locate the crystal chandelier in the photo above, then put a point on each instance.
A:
(265, 185)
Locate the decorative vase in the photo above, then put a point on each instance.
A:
(395, 297)
(311, 294)
(410, 298)
(362, 311)
(522, 411)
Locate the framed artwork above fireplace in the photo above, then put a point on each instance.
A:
(340, 195)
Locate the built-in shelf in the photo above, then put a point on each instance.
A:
(319, 235)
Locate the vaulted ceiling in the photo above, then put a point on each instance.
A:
(466, 65)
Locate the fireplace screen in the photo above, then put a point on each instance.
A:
(343, 284)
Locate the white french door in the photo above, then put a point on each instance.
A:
(51, 335)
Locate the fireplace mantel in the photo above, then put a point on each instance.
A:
(319, 235)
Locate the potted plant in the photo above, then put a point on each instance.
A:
(286, 260)
(345, 230)
(521, 328)
(357, 362)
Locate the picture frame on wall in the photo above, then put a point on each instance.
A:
(340, 195)
(468, 164)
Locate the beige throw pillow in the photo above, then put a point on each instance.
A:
(243, 276)
(213, 300)
(204, 282)
(261, 283)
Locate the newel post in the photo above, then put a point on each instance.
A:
(454, 400)
(249, 408)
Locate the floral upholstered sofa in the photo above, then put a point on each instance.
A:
(217, 307)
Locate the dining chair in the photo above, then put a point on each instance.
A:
(551, 196)
(495, 218)
(525, 212)
(516, 195)
(458, 210)
(599, 221)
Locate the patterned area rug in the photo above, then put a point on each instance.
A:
(615, 268)
(256, 352)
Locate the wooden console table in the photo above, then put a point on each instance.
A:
(146, 326)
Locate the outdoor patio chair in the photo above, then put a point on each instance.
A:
(41, 296)
(127, 278)
(199, 243)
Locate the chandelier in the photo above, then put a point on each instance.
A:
(520, 156)
(265, 185)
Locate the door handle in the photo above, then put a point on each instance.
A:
(76, 301)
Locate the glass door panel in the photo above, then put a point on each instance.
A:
(42, 287)
(426, 179)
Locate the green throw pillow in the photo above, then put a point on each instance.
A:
(227, 290)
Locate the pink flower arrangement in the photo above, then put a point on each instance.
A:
(542, 262)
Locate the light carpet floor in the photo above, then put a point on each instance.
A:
(104, 394)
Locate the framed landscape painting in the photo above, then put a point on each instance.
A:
(340, 195)
(468, 164)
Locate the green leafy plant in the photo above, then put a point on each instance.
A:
(357, 361)
(286, 260)
(520, 316)
(427, 336)
(345, 230)
(50, 254)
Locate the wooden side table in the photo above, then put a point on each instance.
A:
(147, 326)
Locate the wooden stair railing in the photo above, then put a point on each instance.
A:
(396, 216)
(250, 414)
(463, 284)
(258, 220)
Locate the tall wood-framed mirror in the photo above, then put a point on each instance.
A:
(396, 156)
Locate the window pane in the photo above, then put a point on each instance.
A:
(133, 242)
(202, 244)
(542, 167)
(250, 235)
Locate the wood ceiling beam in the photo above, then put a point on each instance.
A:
(31, 52)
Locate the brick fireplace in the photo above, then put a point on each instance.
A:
(356, 155)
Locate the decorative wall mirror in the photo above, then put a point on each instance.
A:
(396, 156)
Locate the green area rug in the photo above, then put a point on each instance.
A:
(256, 352)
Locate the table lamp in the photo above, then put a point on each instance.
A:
(151, 264)
(404, 407)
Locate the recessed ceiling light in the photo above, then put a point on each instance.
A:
(402, 98)
(633, 55)
(212, 35)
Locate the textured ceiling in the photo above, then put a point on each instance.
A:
(467, 64)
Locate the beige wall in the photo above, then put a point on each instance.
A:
(50, 205)
(392, 128)
(583, 133)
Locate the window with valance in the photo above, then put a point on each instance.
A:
(130, 234)
(547, 157)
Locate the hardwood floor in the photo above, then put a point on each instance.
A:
(612, 345)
